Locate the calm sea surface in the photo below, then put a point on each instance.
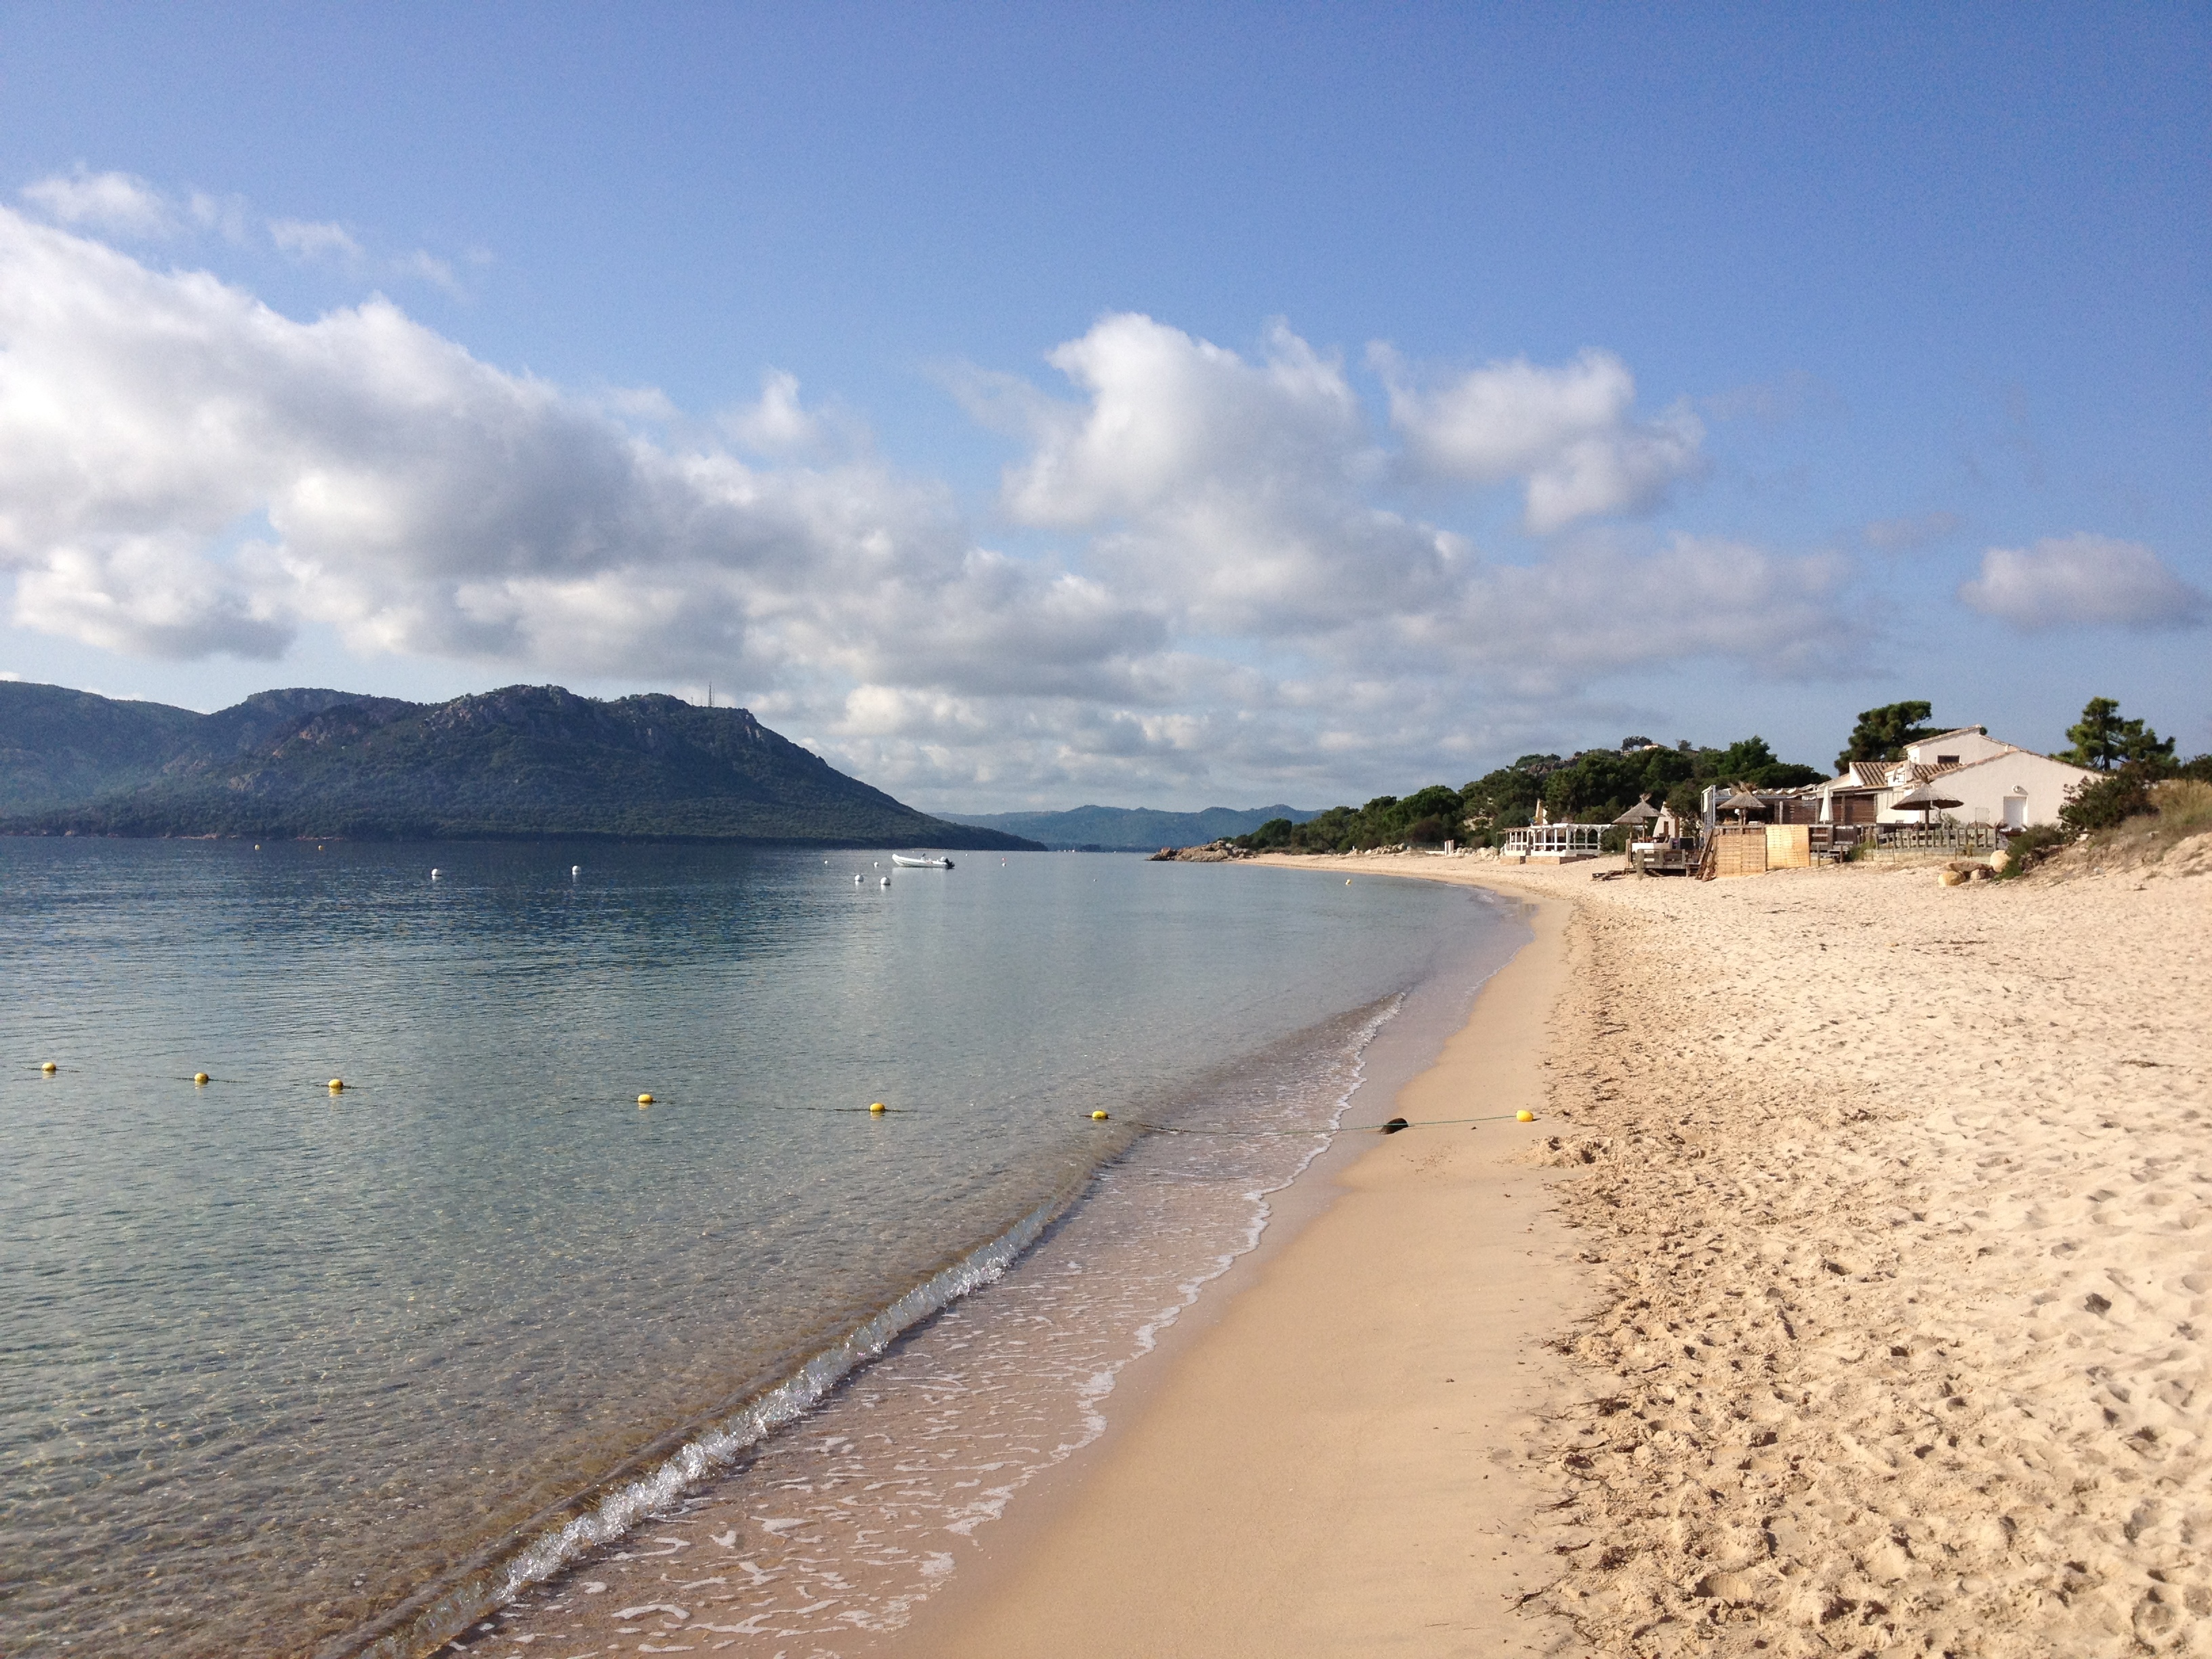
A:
(285, 1371)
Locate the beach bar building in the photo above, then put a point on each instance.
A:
(1552, 843)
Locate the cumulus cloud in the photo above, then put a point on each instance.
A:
(422, 501)
(1600, 608)
(1170, 417)
(1569, 432)
(185, 470)
(2083, 581)
(1230, 489)
(779, 423)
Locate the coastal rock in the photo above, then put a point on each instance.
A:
(1216, 852)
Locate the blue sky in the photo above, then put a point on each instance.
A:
(1190, 406)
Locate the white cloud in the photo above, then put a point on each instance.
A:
(2083, 581)
(1232, 490)
(184, 470)
(425, 503)
(1171, 418)
(1567, 432)
(117, 204)
(309, 239)
(779, 424)
(1600, 608)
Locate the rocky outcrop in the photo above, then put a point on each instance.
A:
(1214, 852)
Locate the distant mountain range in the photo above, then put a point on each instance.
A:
(528, 760)
(1130, 829)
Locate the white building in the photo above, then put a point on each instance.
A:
(1993, 782)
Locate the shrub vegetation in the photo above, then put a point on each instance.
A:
(1593, 787)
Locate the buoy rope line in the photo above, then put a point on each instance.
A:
(204, 1079)
(879, 1109)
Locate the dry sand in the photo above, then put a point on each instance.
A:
(1850, 1297)
(1897, 1198)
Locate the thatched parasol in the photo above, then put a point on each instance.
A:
(1740, 801)
(1928, 797)
(1642, 813)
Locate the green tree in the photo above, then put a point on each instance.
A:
(2103, 740)
(1882, 733)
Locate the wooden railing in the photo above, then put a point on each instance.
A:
(1937, 837)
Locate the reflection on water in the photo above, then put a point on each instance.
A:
(277, 1359)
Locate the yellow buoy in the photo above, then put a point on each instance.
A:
(337, 1085)
(1524, 1117)
(50, 1068)
(879, 1107)
(1098, 1117)
(645, 1100)
(199, 1077)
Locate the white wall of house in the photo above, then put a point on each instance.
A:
(1965, 746)
(2014, 786)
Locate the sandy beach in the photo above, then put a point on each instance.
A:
(1332, 1465)
(1847, 1295)
(1885, 1331)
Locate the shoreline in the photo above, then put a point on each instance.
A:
(1326, 1467)
(934, 1411)
(1890, 1332)
(1851, 1296)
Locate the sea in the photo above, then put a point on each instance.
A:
(287, 1368)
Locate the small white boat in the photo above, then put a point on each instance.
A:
(906, 863)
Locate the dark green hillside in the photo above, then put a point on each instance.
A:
(522, 760)
(59, 745)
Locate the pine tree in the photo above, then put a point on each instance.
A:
(2103, 740)
(1882, 733)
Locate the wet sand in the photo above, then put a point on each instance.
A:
(1331, 1469)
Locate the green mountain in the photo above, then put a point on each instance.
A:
(1131, 828)
(526, 760)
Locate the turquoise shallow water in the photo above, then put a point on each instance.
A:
(277, 1363)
